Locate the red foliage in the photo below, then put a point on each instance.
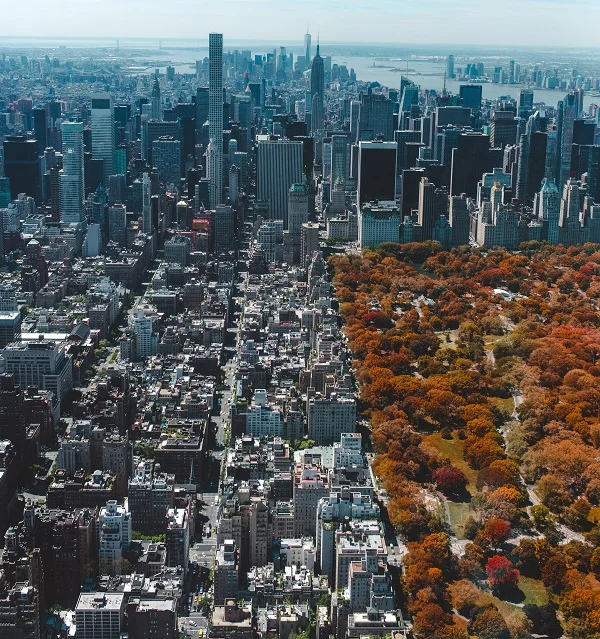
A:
(501, 573)
(450, 481)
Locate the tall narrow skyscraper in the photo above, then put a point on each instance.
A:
(71, 175)
(146, 205)
(103, 132)
(307, 46)
(215, 115)
(567, 112)
(156, 110)
(317, 88)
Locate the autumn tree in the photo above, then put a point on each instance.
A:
(501, 573)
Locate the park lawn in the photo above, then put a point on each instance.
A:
(459, 513)
(534, 590)
(453, 450)
(448, 339)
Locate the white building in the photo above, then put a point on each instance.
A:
(377, 224)
(329, 418)
(263, 420)
(144, 324)
(100, 615)
(71, 181)
(114, 535)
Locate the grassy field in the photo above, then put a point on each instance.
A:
(459, 513)
(507, 405)
(453, 450)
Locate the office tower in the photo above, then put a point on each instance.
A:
(377, 224)
(40, 128)
(155, 112)
(202, 102)
(525, 103)
(42, 364)
(72, 174)
(376, 172)
(147, 226)
(297, 209)
(402, 138)
(100, 615)
(224, 232)
(567, 110)
(226, 571)
(116, 189)
(22, 166)
(549, 209)
(376, 118)
(410, 97)
(427, 212)
(531, 165)
(317, 88)
(307, 46)
(103, 131)
(503, 129)
(584, 132)
(340, 159)
(471, 95)
(450, 67)
(215, 115)
(4, 192)
(511, 72)
(470, 160)
(234, 183)
(460, 220)
(569, 204)
(279, 166)
(153, 130)
(309, 242)
(166, 157)
(117, 224)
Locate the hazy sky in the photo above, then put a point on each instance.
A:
(535, 22)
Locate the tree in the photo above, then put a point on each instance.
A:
(495, 532)
(553, 572)
(487, 623)
(449, 480)
(501, 573)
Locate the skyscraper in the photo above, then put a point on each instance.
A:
(307, 46)
(279, 166)
(317, 88)
(426, 208)
(103, 132)
(71, 178)
(471, 95)
(549, 210)
(22, 166)
(567, 111)
(215, 114)
(156, 110)
(376, 172)
(376, 117)
(146, 205)
(450, 66)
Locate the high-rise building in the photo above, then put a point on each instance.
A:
(178, 538)
(114, 524)
(117, 224)
(226, 573)
(377, 224)
(376, 117)
(549, 210)
(40, 128)
(459, 220)
(100, 615)
(156, 113)
(71, 175)
(471, 95)
(309, 242)
(427, 212)
(567, 112)
(450, 67)
(503, 129)
(307, 47)
(215, 115)
(317, 91)
(280, 164)
(22, 166)
(147, 226)
(166, 157)
(376, 172)
(297, 209)
(329, 417)
(202, 102)
(103, 132)
(224, 228)
(470, 159)
(4, 192)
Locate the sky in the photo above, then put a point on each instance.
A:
(520, 22)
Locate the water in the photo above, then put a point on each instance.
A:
(426, 63)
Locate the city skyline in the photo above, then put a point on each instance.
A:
(539, 23)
